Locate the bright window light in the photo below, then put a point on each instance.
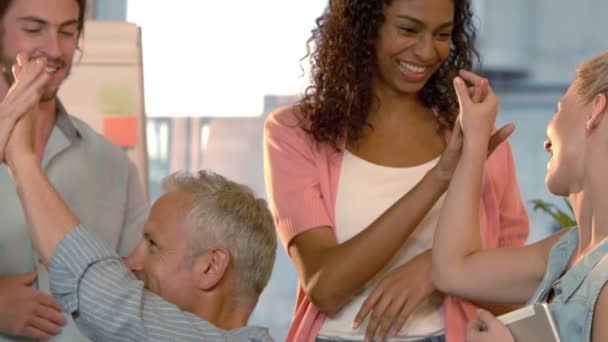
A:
(219, 58)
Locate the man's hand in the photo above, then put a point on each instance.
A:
(395, 298)
(27, 312)
(487, 328)
(22, 97)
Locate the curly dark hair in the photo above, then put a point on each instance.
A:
(342, 51)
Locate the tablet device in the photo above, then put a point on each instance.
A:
(532, 323)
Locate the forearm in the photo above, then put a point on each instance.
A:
(48, 217)
(344, 269)
(460, 267)
(113, 304)
(457, 234)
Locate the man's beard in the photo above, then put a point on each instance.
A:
(7, 73)
(5, 68)
(49, 95)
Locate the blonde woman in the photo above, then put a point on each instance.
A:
(568, 270)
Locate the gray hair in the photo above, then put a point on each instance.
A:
(227, 214)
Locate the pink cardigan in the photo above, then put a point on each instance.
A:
(302, 180)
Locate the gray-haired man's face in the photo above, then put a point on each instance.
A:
(162, 260)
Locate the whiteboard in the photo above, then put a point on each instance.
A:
(105, 88)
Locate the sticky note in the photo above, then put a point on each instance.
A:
(116, 99)
(122, 130)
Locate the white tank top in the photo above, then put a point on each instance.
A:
(365, 191)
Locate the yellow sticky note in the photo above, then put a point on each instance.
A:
(116, 99)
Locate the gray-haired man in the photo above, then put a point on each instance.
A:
(206, 254)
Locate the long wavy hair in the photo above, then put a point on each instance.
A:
(342, 53)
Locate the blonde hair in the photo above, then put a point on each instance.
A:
(227, 214)
(592, 77)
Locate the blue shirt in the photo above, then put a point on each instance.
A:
(109, 304)
(98, 182)
(575, 290)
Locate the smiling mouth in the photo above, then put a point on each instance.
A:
(52, 65)
(51, 69)
(413, 68)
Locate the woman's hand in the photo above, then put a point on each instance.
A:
(449, 159)
(487, 328)
(477, 111)
(22, 97)
(395, 297)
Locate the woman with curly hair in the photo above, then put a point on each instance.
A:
(357, 170)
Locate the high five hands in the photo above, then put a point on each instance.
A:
(478, 111)
(24, 311)
(22, 98)
(476, 101)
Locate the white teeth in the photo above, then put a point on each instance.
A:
(412, 68)
(50, 70)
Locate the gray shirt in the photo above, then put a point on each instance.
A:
(99, 183)
(109, 304)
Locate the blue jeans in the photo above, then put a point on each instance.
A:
(438, 338)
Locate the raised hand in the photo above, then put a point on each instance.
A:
(477, 111)
(22, 96)
(28, 312)
(476, 94)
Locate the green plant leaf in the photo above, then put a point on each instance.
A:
(562, 218)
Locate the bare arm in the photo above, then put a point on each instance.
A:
(332, 273)
(24, 311)
(459, 266)
(47, 215)
(513, 224)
